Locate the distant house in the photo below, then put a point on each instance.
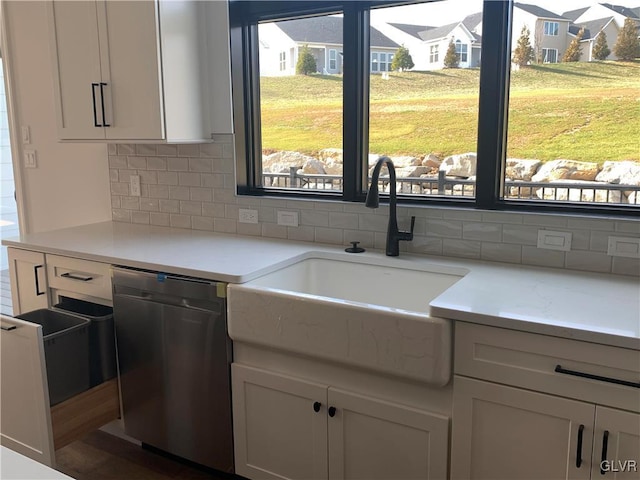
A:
(409, 36)
(591, 31)
(280, 44)
(548, 31)
(436, 41)
(604, 10)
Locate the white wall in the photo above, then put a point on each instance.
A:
(70, 186)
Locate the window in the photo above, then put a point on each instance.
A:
(529, 139)
(549, 55)
(461, 51)
(551, 28)
(375, 65)
(433, 54)
(300, 112)
(333, 59)
(283, 61)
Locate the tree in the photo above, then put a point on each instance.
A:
(628, 45)
(523, 54)
(601, 50)
(451, 58)
(402, 60)
(306, 62)
(574, 50)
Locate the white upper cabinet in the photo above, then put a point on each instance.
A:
(141, 71)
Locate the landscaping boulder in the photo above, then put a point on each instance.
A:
(403, 162)
(313, 167)
(584, 191)
(431, 160)
(566, 170)
(280, 162)
(626, 172)
(521, 169)
(404, 172)
(462, 165)
(332, 159)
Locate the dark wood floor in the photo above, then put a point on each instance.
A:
(100, 456)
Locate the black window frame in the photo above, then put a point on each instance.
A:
(493, 106)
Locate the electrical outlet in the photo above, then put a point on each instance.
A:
(134, 181)
(623, 247)
(246, 215)
(288, 219)
(26, 134)
(551, 240)
(30, 159)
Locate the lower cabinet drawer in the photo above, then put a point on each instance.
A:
(80, 276)
(590, 372)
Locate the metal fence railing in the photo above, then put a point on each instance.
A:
(589, 192)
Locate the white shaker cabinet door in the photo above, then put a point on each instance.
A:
(378, 440)
(130, 60)
(28, 280)
(75, 55)
(280, 426)
(616, 451)
(509, 433)
(25, 418)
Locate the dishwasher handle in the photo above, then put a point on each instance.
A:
(165, 300)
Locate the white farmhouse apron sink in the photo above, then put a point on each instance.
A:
(362, 311)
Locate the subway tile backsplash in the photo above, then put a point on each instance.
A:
(193, 186)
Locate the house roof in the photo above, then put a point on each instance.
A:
(538, 11)
(472, 21)
(573, 15)
(591, 28)
(438, 32)
(412, 30)
(626, 11)
(327, 30)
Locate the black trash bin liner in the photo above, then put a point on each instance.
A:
(66, 351)
(102, 345)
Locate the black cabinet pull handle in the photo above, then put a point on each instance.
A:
(591, 376)
(74, 276)
(95, 112)
(316, 406)
(605, 446)
(332, 411)
(579, 447)
(104, 120)
(35, 274)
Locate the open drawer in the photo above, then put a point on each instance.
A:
(28, 425)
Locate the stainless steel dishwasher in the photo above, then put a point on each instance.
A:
(174, 358)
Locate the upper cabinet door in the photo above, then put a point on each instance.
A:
(76, 69)
(129, 54)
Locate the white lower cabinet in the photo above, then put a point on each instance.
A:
(508, 433)
(28, 280)
(289, 428)
(543, 407)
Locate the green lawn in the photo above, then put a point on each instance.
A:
(583, 111)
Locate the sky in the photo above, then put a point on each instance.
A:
(449, 11)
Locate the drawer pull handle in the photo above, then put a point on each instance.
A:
(605, 445)
(104, 120)
(591, 376)
(74, 276)
(316, 406)
(579, 448)
(35, 274)
(95, 113)
(332, 411)
(7, 327)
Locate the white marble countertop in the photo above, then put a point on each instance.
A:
(584, 306)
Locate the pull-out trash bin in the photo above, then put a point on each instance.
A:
(102, 344)
(66, 351)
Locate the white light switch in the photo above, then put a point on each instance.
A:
(624, 247)
(134, 180)
(30, 159)
(289, 219)
(554, 240)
